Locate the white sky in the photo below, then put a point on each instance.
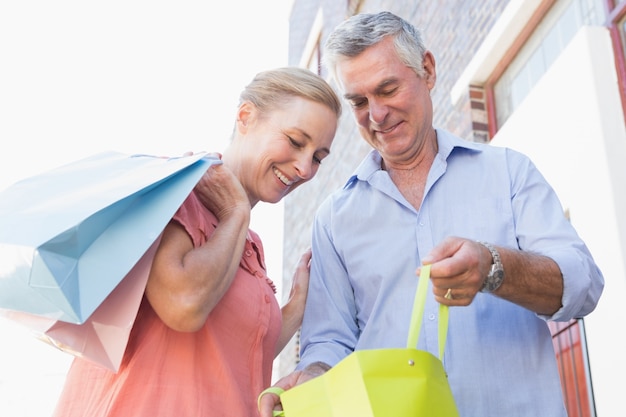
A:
(136, 76)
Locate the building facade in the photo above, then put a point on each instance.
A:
(545, 77)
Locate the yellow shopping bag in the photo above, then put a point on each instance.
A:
(380, 382)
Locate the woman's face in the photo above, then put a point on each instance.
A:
(278, 151)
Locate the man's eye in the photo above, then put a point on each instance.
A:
(358, 103)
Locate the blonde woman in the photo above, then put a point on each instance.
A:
(210, 326)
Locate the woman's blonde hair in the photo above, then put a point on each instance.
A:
(269, 89)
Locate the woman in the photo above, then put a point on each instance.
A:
(209, 325)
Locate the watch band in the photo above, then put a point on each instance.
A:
(496, 273)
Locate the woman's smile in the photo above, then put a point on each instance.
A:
(282, 177)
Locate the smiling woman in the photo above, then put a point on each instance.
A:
(209, 326)
(132, 76)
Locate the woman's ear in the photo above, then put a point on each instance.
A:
(245, 115)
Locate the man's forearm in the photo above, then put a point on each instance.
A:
(532, 281)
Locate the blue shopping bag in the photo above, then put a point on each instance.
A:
(70, 235)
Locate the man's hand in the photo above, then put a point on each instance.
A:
(458, 270)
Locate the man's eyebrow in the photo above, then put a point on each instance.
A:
(350, 97)
(384, 84)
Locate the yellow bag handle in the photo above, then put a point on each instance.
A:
(414, 329)
(272, 390)
(418, 314)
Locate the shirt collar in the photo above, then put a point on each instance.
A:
(446, 141)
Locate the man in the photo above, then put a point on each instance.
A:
(500, 248)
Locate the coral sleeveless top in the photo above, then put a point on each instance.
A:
(217, 371)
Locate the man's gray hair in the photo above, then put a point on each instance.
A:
(361, 31)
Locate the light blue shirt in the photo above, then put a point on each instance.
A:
(367, 244)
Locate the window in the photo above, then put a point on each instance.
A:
(311, 54)
(617, 27)
(550, 37)
(622, 29)
(569, 344)
(314, 63)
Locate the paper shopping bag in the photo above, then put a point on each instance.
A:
(69, 236)
(103, 338)
(400, 382)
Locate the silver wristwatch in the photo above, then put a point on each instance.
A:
(496, 274)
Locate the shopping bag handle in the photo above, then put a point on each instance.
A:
(418, 314)
(414, 330)
(272, 390)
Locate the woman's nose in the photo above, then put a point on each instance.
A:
(304, 167)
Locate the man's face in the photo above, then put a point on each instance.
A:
(390, 102)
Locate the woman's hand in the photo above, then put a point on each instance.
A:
(293, 310)
(270, 401)
(221, 192)
(300, 284)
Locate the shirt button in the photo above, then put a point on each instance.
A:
(431, 317)
(267, 299)
(248, 253)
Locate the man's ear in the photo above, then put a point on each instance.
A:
(245, 116)
(429, 68)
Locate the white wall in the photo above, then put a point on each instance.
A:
(572, 126)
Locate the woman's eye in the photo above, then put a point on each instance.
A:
(317, 160)
(294, 143)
